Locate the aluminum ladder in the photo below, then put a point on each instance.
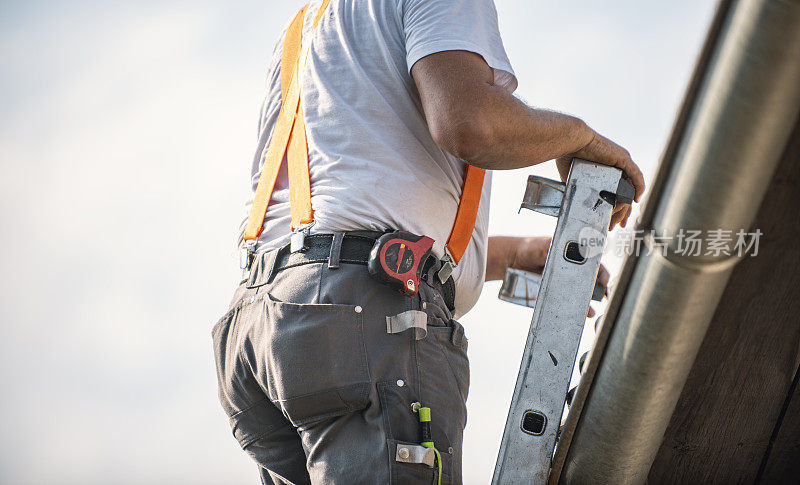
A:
(583, 206)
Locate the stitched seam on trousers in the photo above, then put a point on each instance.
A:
(260, 300)
(324, 391)
(257, 437)
(417, 368)
(365, 356)
(320, 275)
(382, 388)
(332, 414)
(251, 406)
(294, 265)
(410, 305)
(312, 261)
(241, 303)
(450, 365)
(364, 396)
(389, 457)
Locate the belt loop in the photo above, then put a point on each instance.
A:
(433, 268)
(253, 271)
(262, 268)
(269, 264)
(336, 250)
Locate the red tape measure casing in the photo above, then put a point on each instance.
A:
(397, 259)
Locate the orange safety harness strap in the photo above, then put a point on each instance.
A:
(467, 213)
(289, 139)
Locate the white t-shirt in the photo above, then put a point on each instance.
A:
(373, 163)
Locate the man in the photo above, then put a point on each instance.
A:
(322, 368)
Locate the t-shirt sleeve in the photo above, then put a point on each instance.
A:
(432, 26)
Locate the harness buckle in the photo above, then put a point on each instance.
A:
(448, 264)
(445, 272)
(246, 253)
(297, 242)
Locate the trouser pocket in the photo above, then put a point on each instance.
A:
(316, 360)
(444, 381)
(407, 464)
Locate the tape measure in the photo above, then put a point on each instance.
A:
(397, 259)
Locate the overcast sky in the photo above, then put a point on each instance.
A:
(126, 135)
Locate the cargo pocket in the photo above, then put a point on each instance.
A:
(402, 429)
(452, 345)
(316, 360)
(444, 380)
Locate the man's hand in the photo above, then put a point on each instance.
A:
(602, 150)
(527, 254)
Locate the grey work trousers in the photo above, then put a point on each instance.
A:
(317, 390)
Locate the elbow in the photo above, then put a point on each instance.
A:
(467, 138)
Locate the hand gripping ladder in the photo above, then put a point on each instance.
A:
(583, 205)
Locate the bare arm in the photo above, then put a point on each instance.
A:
(528, 253)
(480, 122)
(486, 126)
(525, 253)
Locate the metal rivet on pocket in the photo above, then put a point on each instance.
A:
(358, 309)
(403, 453)
(400, 383)
(450, 450)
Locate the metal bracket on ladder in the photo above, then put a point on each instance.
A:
(583, 205)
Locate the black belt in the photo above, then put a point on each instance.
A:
(355, 249)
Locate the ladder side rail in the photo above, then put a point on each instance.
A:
(558, 319)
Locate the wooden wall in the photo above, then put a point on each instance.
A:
(738, 418)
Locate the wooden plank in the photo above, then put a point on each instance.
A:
(782, 463)
(737, 388)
